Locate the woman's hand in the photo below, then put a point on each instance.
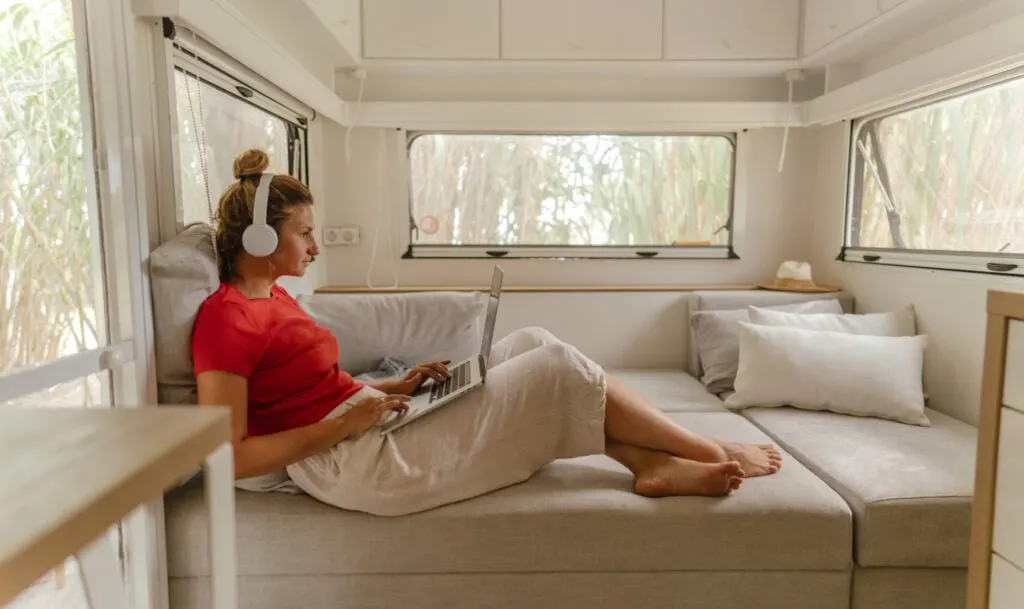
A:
(369, 412)
(417, 375)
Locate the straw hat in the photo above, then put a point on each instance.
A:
(794, 276)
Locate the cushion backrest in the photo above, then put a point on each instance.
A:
(412, 327)
(739, 300)
(183, 274)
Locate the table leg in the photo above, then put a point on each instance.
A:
(219, 476)
(101, 574)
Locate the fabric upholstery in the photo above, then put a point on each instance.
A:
(910, 487)
(574, 515)
(670, 390)
(605, 590)
(715, 333)
(909, 588)
(414, 328)
(852, 374)
(725, 300)
(183, 273)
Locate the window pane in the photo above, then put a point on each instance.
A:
(952, 170)
(231, 126)
(51, 287)
(571, 190)
(89, 391)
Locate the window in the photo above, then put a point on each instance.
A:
(222, 115)
(939, 185)
(593, 196)
(68, 301)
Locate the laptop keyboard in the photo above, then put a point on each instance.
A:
(458, 380)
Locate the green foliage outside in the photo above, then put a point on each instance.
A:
(50, 285)
(957, 173)
(602, 190)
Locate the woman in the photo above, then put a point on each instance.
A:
(257, 351)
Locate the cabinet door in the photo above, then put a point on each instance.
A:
(731, 29)
(430, 29)
(828, 20)
(1008, 525)
(1006, 586)
(581, 29)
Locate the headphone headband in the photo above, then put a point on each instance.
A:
(259, 238)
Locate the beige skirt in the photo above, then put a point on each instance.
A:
(543, 400)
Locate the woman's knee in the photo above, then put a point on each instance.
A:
(519, 342)
(534, 336)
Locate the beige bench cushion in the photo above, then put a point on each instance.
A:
(671, 390)
(573, 515)
(910, 487)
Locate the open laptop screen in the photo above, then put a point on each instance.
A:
(492, 311)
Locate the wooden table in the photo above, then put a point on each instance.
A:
(68, 475)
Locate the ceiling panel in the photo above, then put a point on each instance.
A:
(581, 29)
(430, 29)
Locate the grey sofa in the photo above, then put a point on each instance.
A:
(866, 513)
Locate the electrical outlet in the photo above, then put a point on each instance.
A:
(341, 235)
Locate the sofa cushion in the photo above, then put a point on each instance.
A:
(670, 390)
(413, 328)
(183, 273)
(573, 515)
(713, 347)
(910, 487)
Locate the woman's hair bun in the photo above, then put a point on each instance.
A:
(252, 162)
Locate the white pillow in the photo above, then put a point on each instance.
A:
(895, 323)
(714, 335)
(862, 375)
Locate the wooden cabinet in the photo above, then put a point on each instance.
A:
(827, 20)
(732, 29)
(996, 569)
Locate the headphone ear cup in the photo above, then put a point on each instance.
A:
(259, 240)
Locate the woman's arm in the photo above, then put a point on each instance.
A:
(256, 455)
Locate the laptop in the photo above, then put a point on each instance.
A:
(466, 375)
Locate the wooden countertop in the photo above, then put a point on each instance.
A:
(68, 475)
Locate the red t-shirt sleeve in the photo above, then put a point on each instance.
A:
(228, 338)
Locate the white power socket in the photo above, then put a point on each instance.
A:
(341, 235)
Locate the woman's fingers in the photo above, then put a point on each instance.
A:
(440, 368)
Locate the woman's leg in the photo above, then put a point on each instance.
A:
(631, 419)
(660, 474)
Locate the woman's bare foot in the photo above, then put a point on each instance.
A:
(755, 459)
(674, 477)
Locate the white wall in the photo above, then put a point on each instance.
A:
(950, 306)
(769, 223)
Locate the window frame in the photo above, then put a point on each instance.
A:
(197, 59)
(989, 263)
(579, 252)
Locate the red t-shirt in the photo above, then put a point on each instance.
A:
(291, 361)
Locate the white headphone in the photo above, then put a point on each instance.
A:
(259, 238)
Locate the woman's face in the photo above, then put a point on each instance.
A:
(296, 242)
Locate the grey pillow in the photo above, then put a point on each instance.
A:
(718, 348)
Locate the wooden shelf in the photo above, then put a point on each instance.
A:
(68, 475)
(356, 289)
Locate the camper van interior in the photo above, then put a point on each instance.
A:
(760, 266)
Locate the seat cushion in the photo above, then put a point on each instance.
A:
(573, 515)
(910, 487)
(670, 390)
